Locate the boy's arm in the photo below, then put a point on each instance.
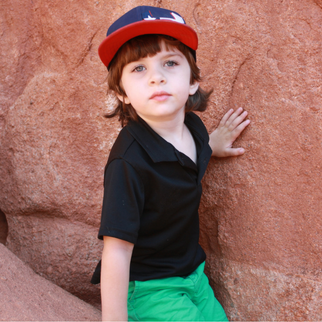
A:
(116, 259)
(230, 127)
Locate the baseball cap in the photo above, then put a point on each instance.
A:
(143, 20)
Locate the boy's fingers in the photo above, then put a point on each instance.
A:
(239, 119)
(241, 127)
(237, 131)
(235, 116)
(226, 116)
(234, 152)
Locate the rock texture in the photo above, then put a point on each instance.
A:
(260, 213)
(25, 296)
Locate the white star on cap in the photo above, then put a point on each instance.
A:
(177, 18)
(150, 18)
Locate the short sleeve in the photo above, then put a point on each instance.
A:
(122, 202)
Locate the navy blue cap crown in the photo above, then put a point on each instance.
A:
(144, 13)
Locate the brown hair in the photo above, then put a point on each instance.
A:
(141, 47)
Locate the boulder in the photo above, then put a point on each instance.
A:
(26, 296)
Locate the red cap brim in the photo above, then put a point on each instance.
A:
(112, 43)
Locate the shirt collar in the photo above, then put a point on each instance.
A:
(154, 145)
(160, 150)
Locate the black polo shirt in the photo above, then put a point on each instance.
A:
(151, 199)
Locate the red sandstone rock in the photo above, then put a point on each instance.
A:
(260, 213)
(25, 296)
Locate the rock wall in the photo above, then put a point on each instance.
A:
(260, 213)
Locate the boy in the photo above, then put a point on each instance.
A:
(153, 176)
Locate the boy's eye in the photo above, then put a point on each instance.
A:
(139, 68)
(171, 63)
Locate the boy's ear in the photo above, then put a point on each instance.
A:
(193, 88)
(124, 99)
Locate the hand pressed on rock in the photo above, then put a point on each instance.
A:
(228, 130)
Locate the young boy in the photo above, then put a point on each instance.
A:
(152, 264)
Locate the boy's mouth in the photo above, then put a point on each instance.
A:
(160, 96)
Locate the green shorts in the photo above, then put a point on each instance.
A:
(174, 299)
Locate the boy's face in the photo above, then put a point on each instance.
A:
(158, 86)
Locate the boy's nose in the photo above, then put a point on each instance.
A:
(157, 77)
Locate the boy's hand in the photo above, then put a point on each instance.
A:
(230, 127)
